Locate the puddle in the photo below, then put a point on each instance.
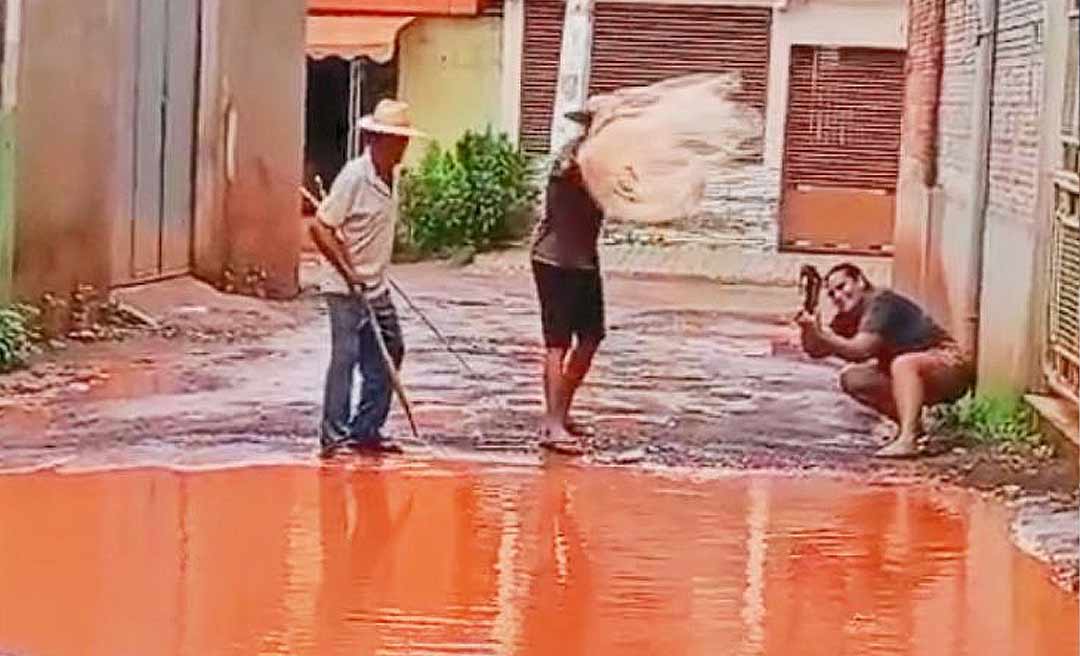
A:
(466, 559)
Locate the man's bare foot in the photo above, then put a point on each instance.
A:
(558, 439)
(578, 430)
(903, 446)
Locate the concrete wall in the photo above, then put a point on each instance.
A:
(918, 171)
(935, 229)
(938, 235)
(7, 203)
(73, 168)
(250, 143)
(450, 73)
(512, 45)
(949, 272)
(1025, 142)
(73, 161)
(9, 24)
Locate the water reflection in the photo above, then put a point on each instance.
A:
(468, 560)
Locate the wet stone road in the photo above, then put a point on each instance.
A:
(680, 379)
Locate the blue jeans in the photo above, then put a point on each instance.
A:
(353, 347)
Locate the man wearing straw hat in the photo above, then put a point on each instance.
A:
(354, 230)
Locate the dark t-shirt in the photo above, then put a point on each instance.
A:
(902, 325)
(568, 230)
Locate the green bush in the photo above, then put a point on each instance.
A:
(18, 335)
(985, 418)
(472, 195)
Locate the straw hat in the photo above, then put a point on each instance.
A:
(390, 117)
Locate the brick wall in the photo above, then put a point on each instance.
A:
(1017, 105)
(923, 69)
(957, 91)
(741, 209)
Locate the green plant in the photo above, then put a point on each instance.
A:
(469, 195)
(989, 418)
(18, 335)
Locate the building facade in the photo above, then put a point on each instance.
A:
(824, 174)
(162, 157)
(986, 230)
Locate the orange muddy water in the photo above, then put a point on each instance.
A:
(433, 559)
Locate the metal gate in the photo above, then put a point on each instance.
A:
(638, 44)
(167, 44)
(540, 72)
(842, 149)
(1063, 338)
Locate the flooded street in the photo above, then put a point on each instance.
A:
(359, 557)
(163, 496)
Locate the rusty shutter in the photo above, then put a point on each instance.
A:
(842, 149)
(844, 110)
(637, 44)
(540, 72)
(491, 8)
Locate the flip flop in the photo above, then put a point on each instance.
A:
(884, 453)
(579, 430)
(563, 447)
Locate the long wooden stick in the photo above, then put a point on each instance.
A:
(310, 197)
(391, 368)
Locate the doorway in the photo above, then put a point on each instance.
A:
(339, 92)
(167, 49)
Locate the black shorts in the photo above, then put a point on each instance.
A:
(571, 304)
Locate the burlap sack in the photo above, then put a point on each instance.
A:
(650, 149)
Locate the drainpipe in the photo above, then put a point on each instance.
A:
(985, 69)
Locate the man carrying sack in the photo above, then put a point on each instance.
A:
(566, 266)
(354, 230)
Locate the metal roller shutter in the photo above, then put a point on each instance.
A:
(843, 127)
(842, 148)
(491, 8)
(638, 44)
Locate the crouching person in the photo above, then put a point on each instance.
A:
(902, 360)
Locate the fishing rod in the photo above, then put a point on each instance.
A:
(431, 325)
(408, 301)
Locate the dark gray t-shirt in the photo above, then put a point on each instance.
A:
(902, 325)
(566, 235)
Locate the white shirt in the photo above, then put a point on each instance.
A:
(360, 208)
